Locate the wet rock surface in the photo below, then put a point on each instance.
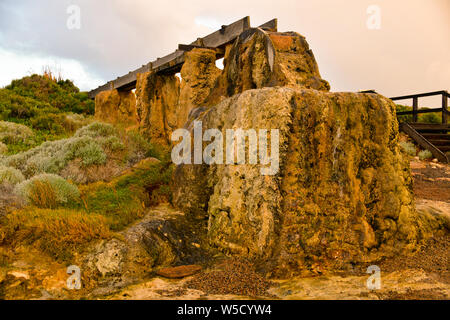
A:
(162, 239)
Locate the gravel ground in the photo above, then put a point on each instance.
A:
(232, 276)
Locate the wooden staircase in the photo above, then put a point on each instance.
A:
(436, 134)
(434, 137)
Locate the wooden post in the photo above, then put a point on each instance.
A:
(444, 107)
(415, 109)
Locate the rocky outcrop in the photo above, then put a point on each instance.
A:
(342, 194)
(199, 74)
(157, 98)
(340, 190)
(163, 238)
(257, 59)
(116, 107)
(260, 59)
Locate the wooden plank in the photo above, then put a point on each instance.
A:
(189, 47)
(431, 126)
(434, 110)
(444, 107)
(424, 143)
(427, 94)
(226, 34)
(415, 109)
(271, 25)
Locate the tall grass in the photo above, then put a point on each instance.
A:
(60, 233)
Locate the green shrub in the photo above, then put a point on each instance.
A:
(430, 118)
(408, 147)
(53, 156)
(10, 175)
(87, 144)
(48, 191)
(97, 130)
(11, 132)
(425, 154)
(91, 153)
(125, 198)
(434, 117)
(112, 144)
(139, 147)
(62, 95)
(3, 148)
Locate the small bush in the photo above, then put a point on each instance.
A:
(425, 154)
(408, 147)
(9, 201)
(11, 132)
(112, 144)
(125, 198)
(10, 176)
(97, 130)
(53, 156)
(90, 153)
(48, 191)
(3, 148)
(139, 147)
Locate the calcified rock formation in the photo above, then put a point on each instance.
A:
(157, 98)
(342, 194)
(116, 107)
(260, 59)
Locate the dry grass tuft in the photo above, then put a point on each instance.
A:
(59, 233)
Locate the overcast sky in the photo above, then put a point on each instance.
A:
(409, 53)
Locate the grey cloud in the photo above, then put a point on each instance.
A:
(118, 36)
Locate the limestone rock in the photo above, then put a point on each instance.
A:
(260, 59)
(115, 106)
(161, 239)
(157, 98)
(199, 74)
(342, 195)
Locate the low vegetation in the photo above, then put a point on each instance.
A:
(66, 180)
(58, 232)
(433, 117)
(48, 191)
(10, 176)
(49, 109)
(425, 154)
(408, 147)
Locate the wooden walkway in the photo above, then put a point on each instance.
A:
(173, 62)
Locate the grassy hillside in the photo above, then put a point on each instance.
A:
(50, 109)
(66, 180)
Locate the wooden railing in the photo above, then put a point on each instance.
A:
(416, 111)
